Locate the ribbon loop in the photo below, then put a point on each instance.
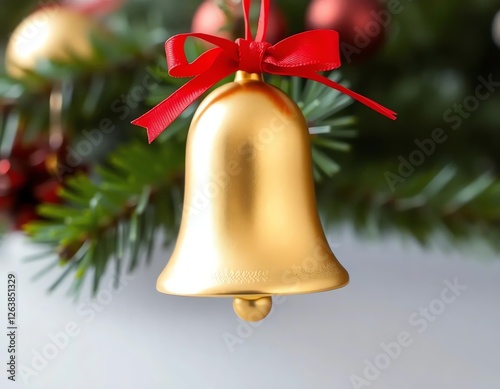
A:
(301, 55)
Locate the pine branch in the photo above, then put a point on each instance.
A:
(450, 202)
(117, 218)
(320, 106)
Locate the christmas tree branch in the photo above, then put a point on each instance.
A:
(118, 217)
(451, 203)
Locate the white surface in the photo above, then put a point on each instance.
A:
(143, 339)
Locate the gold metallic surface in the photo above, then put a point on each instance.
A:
(51, 33)
(252, 310)
(250, 227)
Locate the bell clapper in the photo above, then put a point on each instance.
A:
(252, 310)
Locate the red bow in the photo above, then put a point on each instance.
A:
(302, 55)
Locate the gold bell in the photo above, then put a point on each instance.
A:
(250, 228)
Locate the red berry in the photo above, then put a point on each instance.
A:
(7, 202)
(25, 215)
(48, 192)
(12, 178)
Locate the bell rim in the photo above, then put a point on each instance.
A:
(253, 295)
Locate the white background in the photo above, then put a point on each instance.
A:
(143, 339)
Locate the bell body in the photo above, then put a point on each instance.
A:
(250, 227)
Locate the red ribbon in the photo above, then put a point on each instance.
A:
(302, 55)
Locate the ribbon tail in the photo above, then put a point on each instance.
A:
(163, 115)
(356, 96)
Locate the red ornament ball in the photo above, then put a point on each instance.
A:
(361, 24)
(211, 19)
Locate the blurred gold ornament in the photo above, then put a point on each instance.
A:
(250, 228)
(52, 33)
(52, 164)
(496, 29)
